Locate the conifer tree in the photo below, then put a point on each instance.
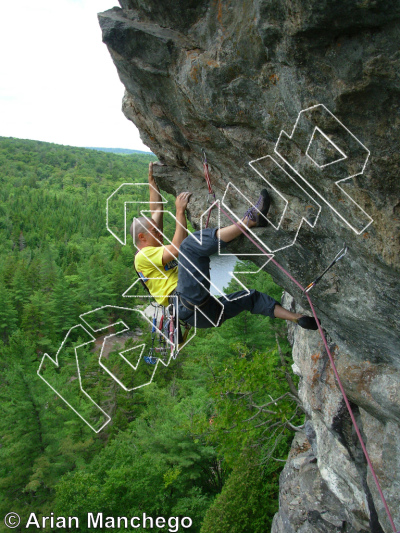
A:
(8, 313)
(37, 320)
(65, 309)
(20, 287)
(21, 429)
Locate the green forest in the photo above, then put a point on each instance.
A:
(206, 439)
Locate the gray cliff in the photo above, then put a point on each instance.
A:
(229, 76)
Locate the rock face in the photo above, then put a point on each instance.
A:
(229, 76)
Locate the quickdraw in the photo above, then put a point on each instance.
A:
(150, 359)
(338, 257)
(167, 328)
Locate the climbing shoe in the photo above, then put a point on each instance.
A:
(259, 208)
(308, 322)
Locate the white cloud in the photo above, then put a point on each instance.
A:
(58, 82)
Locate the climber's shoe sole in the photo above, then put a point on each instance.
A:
(261, 207)
(308, 322)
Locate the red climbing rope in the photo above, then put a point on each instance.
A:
(210, 191)
(211, 194)
(333, 367)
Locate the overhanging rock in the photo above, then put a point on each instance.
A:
(229, 77)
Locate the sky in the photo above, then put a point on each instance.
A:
(57, 80)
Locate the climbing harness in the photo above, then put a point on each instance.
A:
(211, 195)
(164, 328)
(150, 359)
(167, 330)
(338, 257)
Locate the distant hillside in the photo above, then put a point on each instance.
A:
(43, 144)
(38, 164)
(121, 151)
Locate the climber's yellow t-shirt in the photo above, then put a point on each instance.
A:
(148, 263)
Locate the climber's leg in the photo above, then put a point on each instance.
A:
(306, 322)
(194, 264)
(194, 276)
(210, 314)
(281, 312)
(196, 249)
(259, 303)
(255, 216)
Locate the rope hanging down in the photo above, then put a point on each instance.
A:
(364, 449)
(211, 194)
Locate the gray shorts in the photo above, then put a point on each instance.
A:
(194, 284)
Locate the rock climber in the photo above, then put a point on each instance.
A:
(182, 268)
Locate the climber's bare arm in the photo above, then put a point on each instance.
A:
(171, 251)
(156, 206)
